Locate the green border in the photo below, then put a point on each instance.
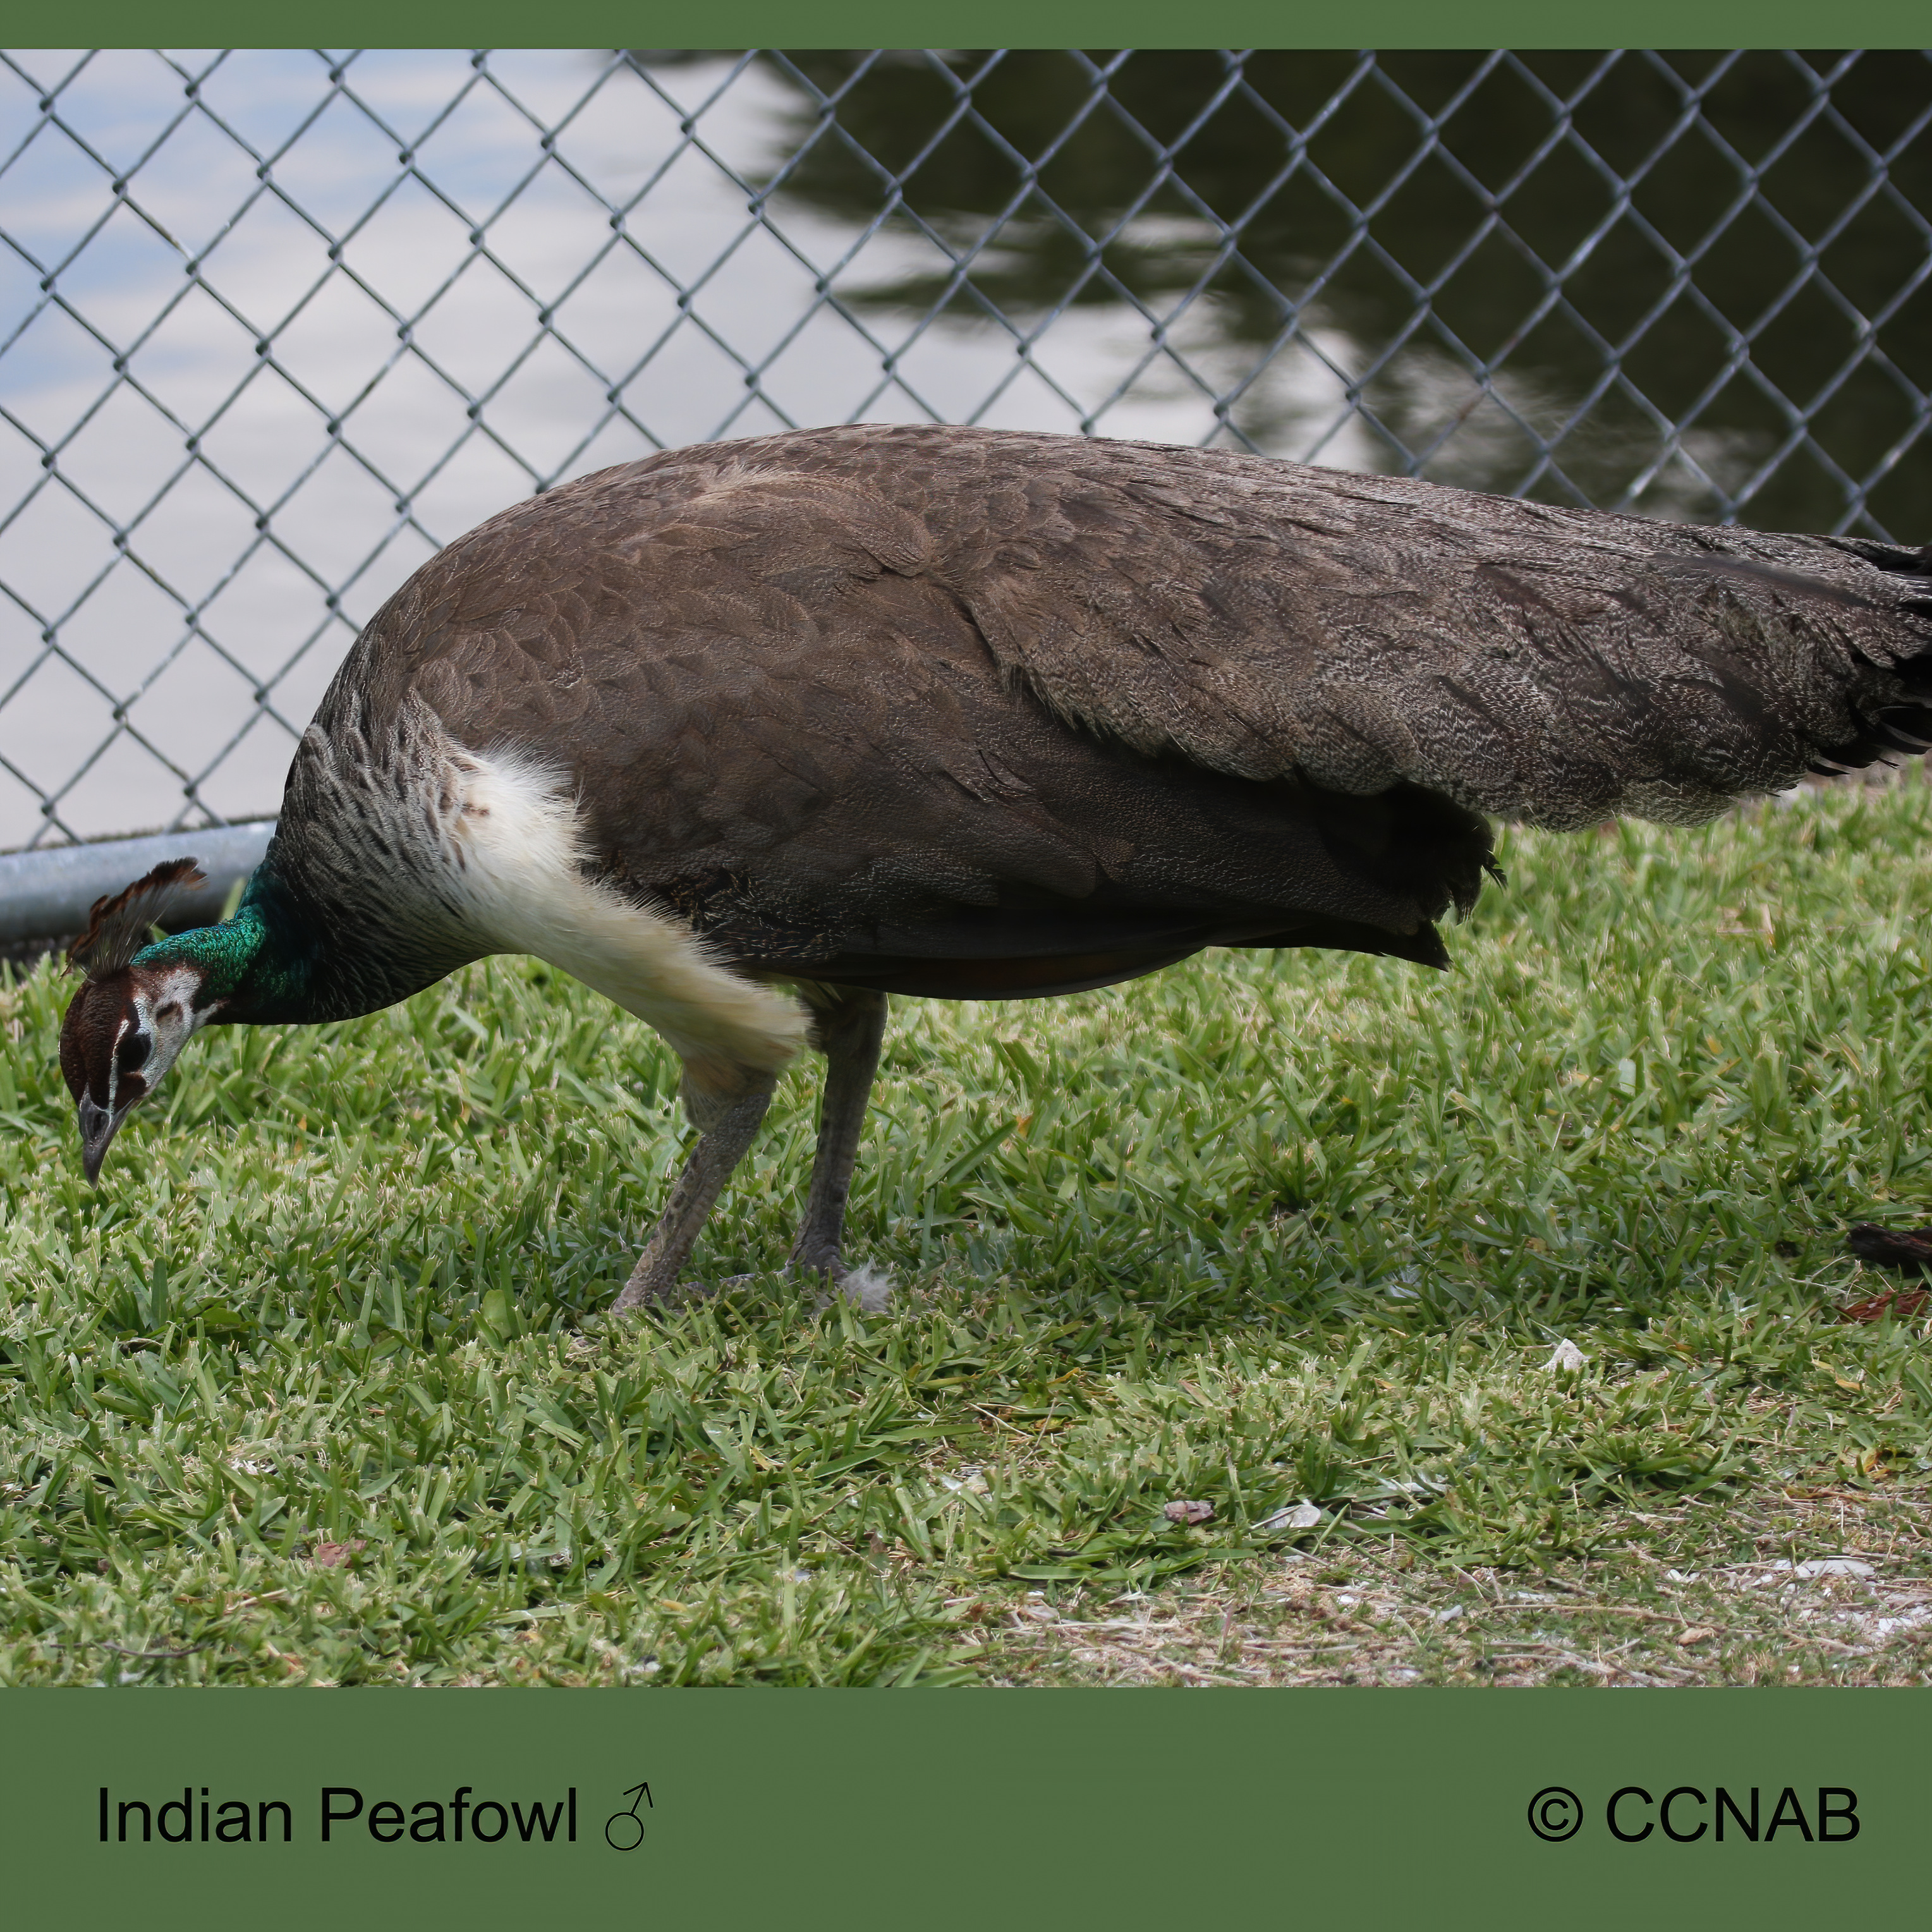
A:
(983, 23)
(1117, 1808)
(1107, 1808)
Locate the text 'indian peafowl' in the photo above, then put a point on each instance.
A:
(982, 715)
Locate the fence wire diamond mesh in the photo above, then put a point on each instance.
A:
(275, 325)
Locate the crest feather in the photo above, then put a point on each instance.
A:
(118, 925)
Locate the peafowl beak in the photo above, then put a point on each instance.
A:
(97, 1127)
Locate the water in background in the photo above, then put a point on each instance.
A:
(272, 328)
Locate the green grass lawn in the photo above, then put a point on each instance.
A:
(316, 1388)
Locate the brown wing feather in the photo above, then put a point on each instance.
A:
(1255, 617)
(914, 692)
(817, 759)
(1261, 618)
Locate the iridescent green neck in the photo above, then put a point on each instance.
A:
(259, 965)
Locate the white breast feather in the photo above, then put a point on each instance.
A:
(516, 847)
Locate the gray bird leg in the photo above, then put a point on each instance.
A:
(726, 1128)
(848, 1034)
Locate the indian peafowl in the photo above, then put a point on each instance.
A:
(749, 736)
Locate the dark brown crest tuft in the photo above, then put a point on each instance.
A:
(118, 926)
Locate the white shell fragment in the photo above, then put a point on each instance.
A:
(1301, 1516)
(1817, 1566)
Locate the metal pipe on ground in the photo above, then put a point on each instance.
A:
(45, 895)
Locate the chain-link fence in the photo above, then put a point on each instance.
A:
(273, 325)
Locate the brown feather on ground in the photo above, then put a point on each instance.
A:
(1888, 1247)
(1900, 1303)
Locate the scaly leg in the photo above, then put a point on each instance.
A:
(726, 1128)
(848, 1034)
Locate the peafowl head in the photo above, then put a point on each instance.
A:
(130, 1018)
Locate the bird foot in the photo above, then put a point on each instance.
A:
(868, 1288)
(639, 1294)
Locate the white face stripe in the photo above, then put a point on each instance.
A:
(114, 1061)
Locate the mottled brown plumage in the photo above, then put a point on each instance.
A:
(856, 698)
(965, 713)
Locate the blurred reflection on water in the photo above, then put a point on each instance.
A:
(1703, 241)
